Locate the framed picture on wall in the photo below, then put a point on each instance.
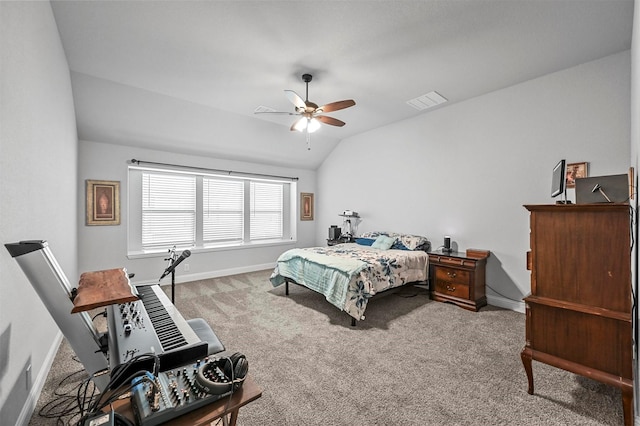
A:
(576, 171)
(103, 202)
(306, 206)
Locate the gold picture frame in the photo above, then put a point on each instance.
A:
(103, 202)
(576, 171)
(306, 206)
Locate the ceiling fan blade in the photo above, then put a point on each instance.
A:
(335, 106)
(268, 110)
(295, 99)
(275, 112)
(330, 120)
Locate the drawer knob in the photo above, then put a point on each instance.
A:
(451, 274)
(451, 289)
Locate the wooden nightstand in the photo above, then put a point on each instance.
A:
(459, 278)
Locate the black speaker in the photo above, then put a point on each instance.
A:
(223, 375)
(447, 244)
(334, 232)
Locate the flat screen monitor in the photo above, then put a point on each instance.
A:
(602, 189)
(557, 181)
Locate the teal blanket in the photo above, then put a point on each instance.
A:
(328, 275)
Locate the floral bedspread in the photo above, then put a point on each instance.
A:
(348, 275)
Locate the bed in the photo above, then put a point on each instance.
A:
(349, 274)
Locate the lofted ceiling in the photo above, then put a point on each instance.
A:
(186, 76)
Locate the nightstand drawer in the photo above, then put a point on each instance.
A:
(452, 289)
(450, 275)
(454, 261)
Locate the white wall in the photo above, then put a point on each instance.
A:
(105, 247)
(38, 181)
(467, 169)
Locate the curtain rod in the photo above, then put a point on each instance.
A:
(229, 172)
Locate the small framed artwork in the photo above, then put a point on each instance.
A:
(576, 171)
(306, 206)
(103, 202)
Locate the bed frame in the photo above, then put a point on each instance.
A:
(354, 322)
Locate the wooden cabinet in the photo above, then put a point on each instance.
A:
(459, 278)
(578, 316)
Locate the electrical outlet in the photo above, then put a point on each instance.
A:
(27, 375)
(186, 267)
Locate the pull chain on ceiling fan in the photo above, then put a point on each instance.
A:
(311, 114)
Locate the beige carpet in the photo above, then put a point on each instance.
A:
(412, 361)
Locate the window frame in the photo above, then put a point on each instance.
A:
(134, 234)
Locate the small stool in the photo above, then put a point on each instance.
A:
(206, 334)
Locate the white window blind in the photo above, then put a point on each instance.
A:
(223, 210)
(206, 211)
(266, 210)
(168, 210)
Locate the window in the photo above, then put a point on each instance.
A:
(266, 210)
(168, 210)
(199, 210)
(223, 205)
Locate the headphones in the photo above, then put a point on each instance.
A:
(223, 375)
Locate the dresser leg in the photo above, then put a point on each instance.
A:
(526, 362)
(627, 406)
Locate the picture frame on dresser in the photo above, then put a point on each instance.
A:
(576, 171)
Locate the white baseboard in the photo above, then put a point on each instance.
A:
(502, 302)
(38, 384)
(211, 274)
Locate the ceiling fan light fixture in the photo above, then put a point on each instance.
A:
(310, 124)
(300, 125)
(313, 125)
(311, 115)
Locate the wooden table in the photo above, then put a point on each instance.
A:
(203, 416)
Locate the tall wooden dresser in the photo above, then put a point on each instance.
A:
(578, 316)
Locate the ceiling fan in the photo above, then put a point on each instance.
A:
(311, 115)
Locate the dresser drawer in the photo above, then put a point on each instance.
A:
(452, 289)
(450, 275)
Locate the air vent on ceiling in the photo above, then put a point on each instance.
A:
(263, 108)
(429, 100)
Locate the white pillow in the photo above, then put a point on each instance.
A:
(383, 242)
